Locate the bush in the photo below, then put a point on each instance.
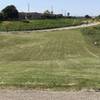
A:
(26, 21)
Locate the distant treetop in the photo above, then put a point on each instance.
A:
(10, 12)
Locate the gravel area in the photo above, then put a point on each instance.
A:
(47, 95)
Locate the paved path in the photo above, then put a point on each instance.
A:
(70, 27)
(47, 95)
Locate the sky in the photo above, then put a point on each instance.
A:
(75, 7)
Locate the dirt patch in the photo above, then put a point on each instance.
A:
(47, 95)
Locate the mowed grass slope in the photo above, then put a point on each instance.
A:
(55, 60)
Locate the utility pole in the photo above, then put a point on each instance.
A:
(28, 7)
(28, 10)
(65, 13)
(62, 11)
(52, 10)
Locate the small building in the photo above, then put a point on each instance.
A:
(30, 15)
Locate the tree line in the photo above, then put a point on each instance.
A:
(11, 13)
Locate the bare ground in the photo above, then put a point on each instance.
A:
(47, 95)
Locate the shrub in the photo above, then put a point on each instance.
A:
(26, 21)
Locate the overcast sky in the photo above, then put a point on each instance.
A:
(75, 7)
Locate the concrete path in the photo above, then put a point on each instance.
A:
(47, 95)
(70, 27)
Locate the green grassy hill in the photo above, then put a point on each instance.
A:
(58, 60)
(39, 24)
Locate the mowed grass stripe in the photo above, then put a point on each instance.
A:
(48, 46)
(56, 60)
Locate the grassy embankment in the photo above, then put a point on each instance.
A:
(38, 24)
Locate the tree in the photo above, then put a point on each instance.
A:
(87, 16)
(47, 12)
(10, 13)
(68, 14)
(52, 12)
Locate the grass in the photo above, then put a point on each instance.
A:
(55, 60)
(92, 37)
(38, 24)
